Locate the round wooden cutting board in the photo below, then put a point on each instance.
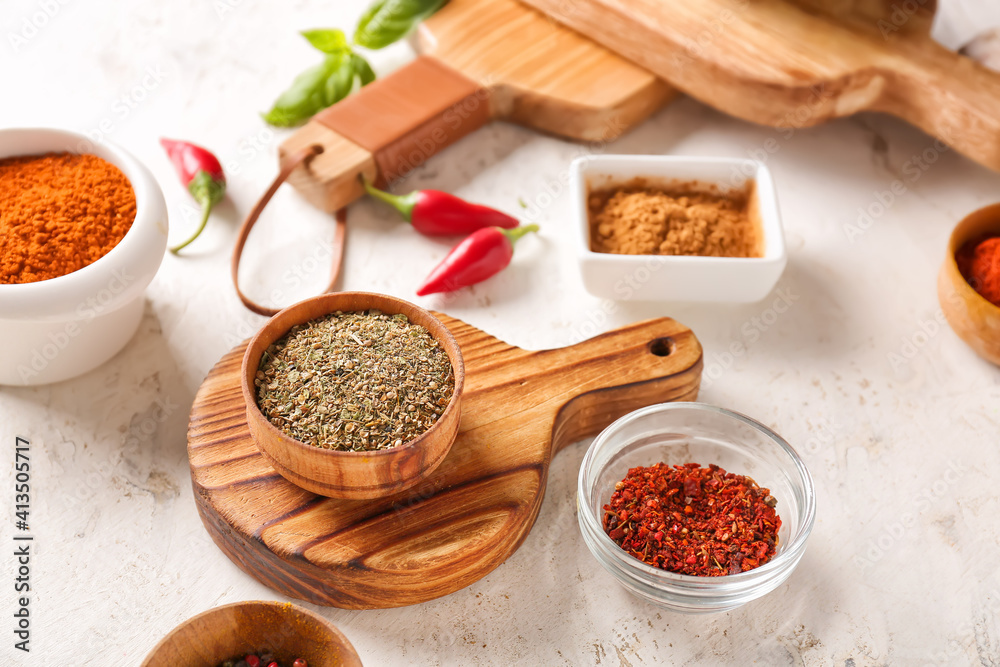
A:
(519, 409)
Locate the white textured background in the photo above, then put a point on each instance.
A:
(122, 557)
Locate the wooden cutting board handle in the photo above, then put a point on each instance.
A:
(518, 409)
(788, 64)
(915, 17)
(482, 60)
(948, 96)
(386, 129)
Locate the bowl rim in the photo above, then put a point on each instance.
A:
(250, 398)
(771, 224)
(146, 237)
(958, 238)
(777, 563)
(287, 607)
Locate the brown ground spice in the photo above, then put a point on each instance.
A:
(640, 220)
(58, 213)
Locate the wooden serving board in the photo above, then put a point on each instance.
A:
(481, 60)
(793, 64)
(519, 409)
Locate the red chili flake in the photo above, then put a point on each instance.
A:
(721, 523)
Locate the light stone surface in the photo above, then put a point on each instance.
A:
(896, 418)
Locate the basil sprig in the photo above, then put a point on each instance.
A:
(330, 41)
(343, 69)
(387, 21)
(321, 85)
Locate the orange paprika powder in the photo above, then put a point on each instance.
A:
(58, 213)
(979, 264)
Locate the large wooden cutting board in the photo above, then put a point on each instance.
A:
(793, 64)
(519, 409)
(481, 60)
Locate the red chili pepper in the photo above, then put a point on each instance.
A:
(437, 213)
(479, 256)
(201, 172)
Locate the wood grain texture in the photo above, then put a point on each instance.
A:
(913, 17)
(353, 475)
(781, 64)
(519, 409)
(483, 60)
(540, 74)
(331, 180)
(288, 631)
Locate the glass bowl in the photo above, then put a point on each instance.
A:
(675, 433)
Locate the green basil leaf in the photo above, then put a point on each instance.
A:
(279, 118)
(366, 18)
(327, 41)
(311, 91)
(364, 71)
(341, 80)
(386, 21)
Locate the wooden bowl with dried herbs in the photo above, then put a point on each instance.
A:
(353, 395)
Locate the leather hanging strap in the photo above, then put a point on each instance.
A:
(340, 217)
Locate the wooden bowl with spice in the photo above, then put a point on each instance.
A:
(353, 395)
(83, 233)
(969, 282)
(284, 632)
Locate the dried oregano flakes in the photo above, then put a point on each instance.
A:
(355, 381)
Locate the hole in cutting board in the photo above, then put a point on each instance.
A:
(662, 347)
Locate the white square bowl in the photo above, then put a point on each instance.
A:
(674, 277)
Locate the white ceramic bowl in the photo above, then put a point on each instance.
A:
(679, 278)
(56, 329)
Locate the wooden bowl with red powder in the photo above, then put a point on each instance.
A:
(77, 250)
(973, 259)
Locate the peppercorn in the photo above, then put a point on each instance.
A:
(261, 659)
